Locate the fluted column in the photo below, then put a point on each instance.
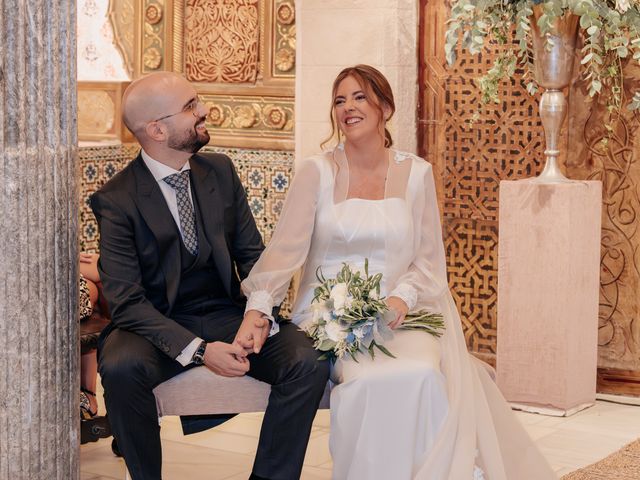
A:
(39, 379)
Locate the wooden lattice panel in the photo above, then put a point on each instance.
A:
(472, 155)
(472, 265)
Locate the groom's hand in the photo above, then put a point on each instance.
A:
(253, 331)
(226, 359)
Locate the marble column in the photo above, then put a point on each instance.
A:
(39, 353)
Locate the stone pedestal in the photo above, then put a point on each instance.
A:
(548, 291)
(39, 347)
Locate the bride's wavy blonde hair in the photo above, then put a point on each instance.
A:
(378, 91)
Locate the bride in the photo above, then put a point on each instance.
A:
(433, 412)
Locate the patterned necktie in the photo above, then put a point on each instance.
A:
(180, 183)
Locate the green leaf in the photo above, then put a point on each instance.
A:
(586, 58)
(384, 350)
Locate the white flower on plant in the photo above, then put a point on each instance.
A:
(339, 296)
(361, 331)
(348, 301)
(321, 311)
(334, 332)
(623, 5)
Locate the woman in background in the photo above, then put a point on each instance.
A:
(89, 299)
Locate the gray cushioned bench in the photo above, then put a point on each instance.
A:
(199, 391)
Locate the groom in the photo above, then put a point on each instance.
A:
(176, 238)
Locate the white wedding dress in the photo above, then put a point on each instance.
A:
(433, 412)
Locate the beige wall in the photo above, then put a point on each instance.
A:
(333, 34)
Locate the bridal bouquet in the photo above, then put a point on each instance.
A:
(349, 315)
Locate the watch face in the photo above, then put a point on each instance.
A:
(198, 356)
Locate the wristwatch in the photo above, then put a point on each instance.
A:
(198, 355)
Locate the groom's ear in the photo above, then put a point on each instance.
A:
(155, 131)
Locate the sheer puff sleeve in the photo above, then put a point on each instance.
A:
(269, 280)
(426, 278)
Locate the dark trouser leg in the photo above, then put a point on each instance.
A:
(130, 367)
(290, 364)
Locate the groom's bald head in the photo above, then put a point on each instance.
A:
(150, 98)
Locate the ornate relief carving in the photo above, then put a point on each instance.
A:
(242, 113)
(612, 157)
(153, 35)
(99, 116)
(285, 38)
(153, 14)
(229, 49)
(96, 112)
(121, 14)
(221, 41)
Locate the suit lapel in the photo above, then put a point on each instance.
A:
(155, 212)
(207, 190)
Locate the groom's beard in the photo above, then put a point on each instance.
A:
(191, 140)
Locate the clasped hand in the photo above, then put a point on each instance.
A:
(230, 359)
(253, 331)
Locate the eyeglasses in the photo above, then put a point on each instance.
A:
(192, 107)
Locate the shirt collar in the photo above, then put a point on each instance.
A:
(160, 170)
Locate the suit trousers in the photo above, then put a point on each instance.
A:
(131, 367)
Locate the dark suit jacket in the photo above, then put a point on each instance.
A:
(140, 251)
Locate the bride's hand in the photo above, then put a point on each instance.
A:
(399, 308)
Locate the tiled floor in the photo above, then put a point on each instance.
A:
(227, 451)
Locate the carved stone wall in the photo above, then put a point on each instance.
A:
(240, 55)
(121, 13)
(221, 41)
(98, 58)
(612, 157)
(470, 158)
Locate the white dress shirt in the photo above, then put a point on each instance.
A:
(159, 172)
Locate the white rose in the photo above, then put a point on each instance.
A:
(339, 296)
(334, 332)
(623, 5)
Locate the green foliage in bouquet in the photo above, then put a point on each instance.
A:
(349, 315)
